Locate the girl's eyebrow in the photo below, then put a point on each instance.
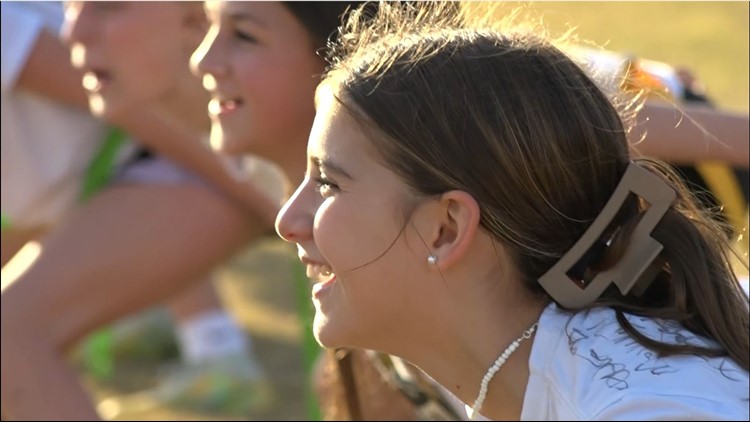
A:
(244, 16)
(330, 167)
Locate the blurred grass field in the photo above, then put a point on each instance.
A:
(710, 38)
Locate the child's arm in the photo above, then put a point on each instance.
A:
(700, 134)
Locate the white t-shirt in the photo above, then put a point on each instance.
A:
(588, 368)
(46, 145)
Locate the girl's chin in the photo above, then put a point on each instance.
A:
(325, 335)
(320, 340)
(225, 142)
(112, 109)
(99, 107)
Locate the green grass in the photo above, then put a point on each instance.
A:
(710, 38)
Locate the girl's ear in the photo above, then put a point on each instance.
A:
(458, 221)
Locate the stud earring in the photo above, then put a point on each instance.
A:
(432, 260)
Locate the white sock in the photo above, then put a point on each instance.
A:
(211, 335)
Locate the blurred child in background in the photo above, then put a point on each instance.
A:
(157, 230)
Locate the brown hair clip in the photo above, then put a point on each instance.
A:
(637, 265)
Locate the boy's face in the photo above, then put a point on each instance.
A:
(131, 52)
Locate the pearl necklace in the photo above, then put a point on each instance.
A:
(496, 367)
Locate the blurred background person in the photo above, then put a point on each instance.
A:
(48, 137)
(118, 245)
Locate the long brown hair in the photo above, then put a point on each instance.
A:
(321, 19)
(509, 118)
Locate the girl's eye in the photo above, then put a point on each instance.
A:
(325, 187)
(245, 37)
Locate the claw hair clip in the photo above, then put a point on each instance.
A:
(639, 264)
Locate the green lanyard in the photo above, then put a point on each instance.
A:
(102, 166)
(4, 222)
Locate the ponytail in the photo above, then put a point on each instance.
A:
(696, 286)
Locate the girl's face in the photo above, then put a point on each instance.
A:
(348, 220)
(132, 53)
(259, 64)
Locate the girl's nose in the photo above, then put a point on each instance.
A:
(294, 222)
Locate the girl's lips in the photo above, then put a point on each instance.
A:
(321, 274)
(321, 288)
(95, 81)
(218, 107)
